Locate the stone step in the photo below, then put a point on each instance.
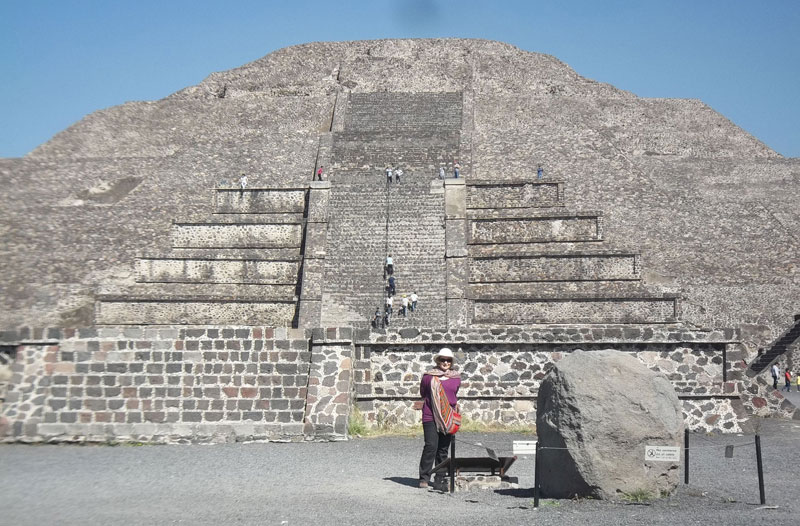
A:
(557, 289)
(383, 111)
(201, 291)
(554, 213)
(375, 177)
(259, 200)
(141, 311)
(222, 235)
(497, 195)
(249, 219)
(551, 267)
(575, 309)
(595, 246)
(247, 254)
(192, 270)
(544, 228)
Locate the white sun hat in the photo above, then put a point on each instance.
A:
(444, 352)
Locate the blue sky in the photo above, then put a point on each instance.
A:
(64, 59)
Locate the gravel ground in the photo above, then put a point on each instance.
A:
(365, 481)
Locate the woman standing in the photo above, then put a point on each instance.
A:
(438, 389)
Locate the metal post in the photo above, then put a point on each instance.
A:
(452, 464)
(536, 477)
(685, 456)
(760, 471)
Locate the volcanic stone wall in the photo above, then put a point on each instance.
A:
(155, 384)
(196, 384)
(501, 370)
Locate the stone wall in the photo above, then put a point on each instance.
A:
(502, 370)
(222, 383)
(158, 384)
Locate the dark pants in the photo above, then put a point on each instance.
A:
(434, 452)
(774, 382)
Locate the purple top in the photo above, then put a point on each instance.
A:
(451, 386)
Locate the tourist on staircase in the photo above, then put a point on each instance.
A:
(377, 320)
(539, 173)
(441, 172)
(404, 306)
(319, 173)
(243, 181)
(414, 299)
(775, 372)
(387, 315)
(397, 174)
(456, 169)
(391, 288)
(389, 265)
(388, 174)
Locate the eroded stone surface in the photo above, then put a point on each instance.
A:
(596, 413)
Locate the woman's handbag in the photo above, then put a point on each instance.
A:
(448, 421)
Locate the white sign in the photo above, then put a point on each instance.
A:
(524, 447)
(662, 453)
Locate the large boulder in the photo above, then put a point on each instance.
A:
(599, 410)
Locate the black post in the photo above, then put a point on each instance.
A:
(536, 477)
(452, 471)
(685, 456)
(760, 471)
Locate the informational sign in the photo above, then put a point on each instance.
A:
(524, 447)
(662, 453)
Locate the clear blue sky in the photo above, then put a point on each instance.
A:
(64, 59)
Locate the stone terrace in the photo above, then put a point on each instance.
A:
(240, 266)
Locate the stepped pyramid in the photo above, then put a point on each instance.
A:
(688, 200)
(478, 252)
(659, 229)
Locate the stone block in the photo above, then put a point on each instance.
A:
(455, 201)
(315, 240)
(313, 276)
(318, 204)
(455, 238)
(457, 268)
(457, 313)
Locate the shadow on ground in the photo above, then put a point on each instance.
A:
(405, 481)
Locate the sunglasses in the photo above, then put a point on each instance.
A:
(446, 360)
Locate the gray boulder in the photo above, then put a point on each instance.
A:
(601, 408)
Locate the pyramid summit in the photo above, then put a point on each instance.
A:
(650, 218)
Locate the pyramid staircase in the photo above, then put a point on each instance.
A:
(239, 266)
(371, 218)
(778, 348)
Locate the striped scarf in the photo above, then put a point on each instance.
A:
(447, 420)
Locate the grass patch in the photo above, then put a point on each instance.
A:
(358, 427)
(638, 496)
(482, 427)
